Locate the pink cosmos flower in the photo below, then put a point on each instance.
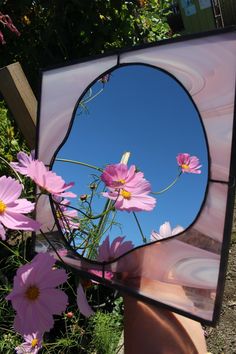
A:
(24, 161)
(2, 232)
(48, 181)
(188, 163)
(107, 252)
(34, 296)
(66, 217)
(128, 188)
(12, 208)
(132, 199)
(120, 176)
(32, 344)
(165, 231)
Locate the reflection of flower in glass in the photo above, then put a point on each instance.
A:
(66, 217)
(12, 208)
(32, 344)
(120, 176)
(133, 199)
(165, 231)
(23, 162)
(34, 296)
(107, 252)
(49, 181)
(128, 188)
(188, 163)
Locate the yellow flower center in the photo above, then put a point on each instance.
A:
(34, 342)
(32, 293)
(125, 194)
(2, 207)
(122, 181)
(185, 167)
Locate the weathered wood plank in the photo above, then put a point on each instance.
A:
(20, 99)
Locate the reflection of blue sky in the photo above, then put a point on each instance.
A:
(146, 112)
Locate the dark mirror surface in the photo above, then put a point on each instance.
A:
(145, 117)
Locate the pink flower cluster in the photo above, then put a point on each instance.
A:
(128, 188)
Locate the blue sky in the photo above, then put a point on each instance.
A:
(144, 111)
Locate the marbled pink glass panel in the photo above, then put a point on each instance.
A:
(207, 68)
(182, 271)
(61, 89)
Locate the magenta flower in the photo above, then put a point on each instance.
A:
(32, 344)
(66, 217)
(24, 161)
(34, 296)
(48, 181)
(132, 199)
(165, 231)
(2, 232)
(128, 188)
(107, 252)
(119, 176)
(6, 21)
(188, 163)
(12, 208)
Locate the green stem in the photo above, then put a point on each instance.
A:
(80, 163)
(140, 229)
(15, 253)
(170, 185)
(17, 175)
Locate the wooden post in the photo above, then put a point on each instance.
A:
(148, 329)
(20, 99)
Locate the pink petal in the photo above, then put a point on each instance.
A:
(21, 206)
(19, 222)
(82, 302)
(10, 189)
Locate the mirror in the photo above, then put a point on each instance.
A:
(143, 117)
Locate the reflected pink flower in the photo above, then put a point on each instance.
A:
(119, 176)
(2, 232)
(49, 181)
(128, 188)
(12, 208)
(34, 296)
(65, 216)
(188, 163)
(24, 161)
(32, 344)
(82, 302)
(132, 199)
(165, 231)
(107, 252)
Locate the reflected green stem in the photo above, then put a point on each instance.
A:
(170, 185)
(92, 97)
(140, 229)
(80, 163)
